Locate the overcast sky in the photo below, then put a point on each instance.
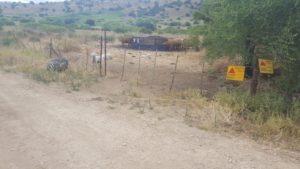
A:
(29, 0)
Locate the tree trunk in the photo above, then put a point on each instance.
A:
(254, 81)
(253, 59)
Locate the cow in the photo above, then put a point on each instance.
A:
(175, 44)
(125, 40)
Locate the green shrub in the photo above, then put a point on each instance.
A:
(6, 22)
(73, 79)
(146, 25)
(116, 27)
(44, 76)
(46, 27)
(237, 101)
(187, 24)
(171, 30)
(120, 30)
(270, 104)
(71, 20)
(175, 23)
(8, 41)
(257, 109)
(295, 111)
(26, 20)
(90, 22)
(110, 39)
(77, 79)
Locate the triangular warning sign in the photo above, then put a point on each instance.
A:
(263, 63)
(231, 71)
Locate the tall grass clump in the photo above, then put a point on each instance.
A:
(269, 114)
(258, 109)
(69, 45)
(190, 96)
(295, 111)
(20, 57)
(43, 75)
(76, 79)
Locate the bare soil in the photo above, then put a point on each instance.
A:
(43, 126)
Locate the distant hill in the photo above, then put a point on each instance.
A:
(168, 16)
(132, 8)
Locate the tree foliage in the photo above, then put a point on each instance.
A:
(90, 22)
(194, 37)
(252, 29)
(146, 25)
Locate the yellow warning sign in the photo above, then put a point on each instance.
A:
(236, 73)
(266, 66)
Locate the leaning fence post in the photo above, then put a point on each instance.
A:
(174, 74)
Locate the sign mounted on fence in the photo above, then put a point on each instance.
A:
(266, 66)
(236, 73)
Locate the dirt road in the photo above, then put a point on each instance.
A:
(43, 127)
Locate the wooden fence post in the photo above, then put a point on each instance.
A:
(154, 69)
(202, 76)
(50, 48)
(124, 62)
(174, 74)
(101, 49)
(87, 58)
(139, 67)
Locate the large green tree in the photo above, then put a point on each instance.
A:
(252, 28)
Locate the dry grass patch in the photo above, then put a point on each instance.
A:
(33, 64)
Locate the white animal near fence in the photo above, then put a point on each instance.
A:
(97, 58)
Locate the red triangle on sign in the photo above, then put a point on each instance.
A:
(263, 63)
(231, 70)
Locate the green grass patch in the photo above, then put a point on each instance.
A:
(46, 27)
(108, 20)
